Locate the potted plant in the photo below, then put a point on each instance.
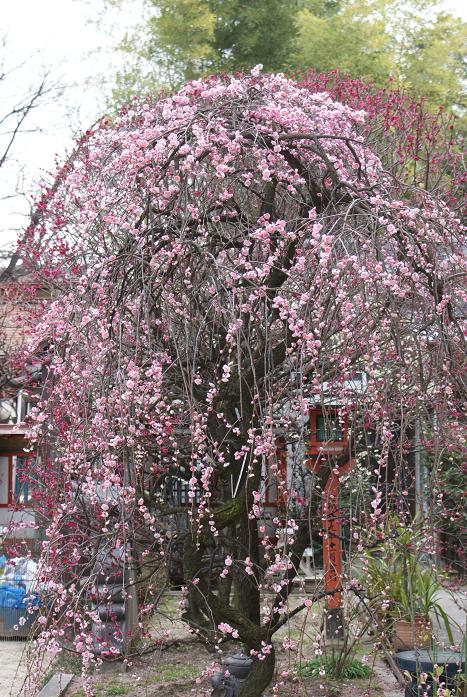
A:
(416, 602)
(405, 591)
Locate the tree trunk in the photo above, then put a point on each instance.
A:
(224, 588)
(194, 614)
(260, 678)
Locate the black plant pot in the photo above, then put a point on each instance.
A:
(411, 690)
(424, 661)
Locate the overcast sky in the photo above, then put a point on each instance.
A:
(60, 36)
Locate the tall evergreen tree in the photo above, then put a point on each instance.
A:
(248, 33)
(184, 39)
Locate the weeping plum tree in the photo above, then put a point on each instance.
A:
(216, 260)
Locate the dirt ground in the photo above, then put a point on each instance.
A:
(176, 672)
(176, 668)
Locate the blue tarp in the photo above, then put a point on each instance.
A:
(13, 596)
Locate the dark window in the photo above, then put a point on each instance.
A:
(178, 489)
(328, 428)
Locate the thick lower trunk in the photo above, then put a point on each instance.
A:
(246, 597)
(224, 587)
(246, 586)
(260, 678)
(195, 613)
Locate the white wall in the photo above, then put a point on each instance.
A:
(3, 480)
(21, 520)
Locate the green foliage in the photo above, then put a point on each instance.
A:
(185, 39)
(411, 42)
(432, 62)
(350, 669)
(181, 36)
(353, 40)
(249, 33)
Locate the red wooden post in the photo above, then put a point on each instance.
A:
(276, 480)
(326, 442)
(332, 551)
(331, 542)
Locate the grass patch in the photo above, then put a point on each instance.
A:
(352, 669)
(110, 689)
(113, 689)
(173, 671)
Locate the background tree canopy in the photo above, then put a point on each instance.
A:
(412, 42)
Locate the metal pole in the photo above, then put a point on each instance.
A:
(131, 597)
(420, 503)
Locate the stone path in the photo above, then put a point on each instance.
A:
(12, 667)
(389, 685)
(455, 606)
